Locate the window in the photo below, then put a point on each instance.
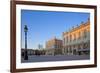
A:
(70, 49)
(85, 34)
(79, 35)
(70, 38)
(64, 41)
(67, 39)
(74, 36)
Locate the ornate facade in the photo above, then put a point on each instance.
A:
(54, 47)
(77, 40)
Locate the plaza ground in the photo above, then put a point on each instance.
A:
(47, 58)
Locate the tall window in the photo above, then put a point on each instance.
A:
(64, 41)
(70, 38)
(67, 39)
(70, 49)
(79, 35)
(79, 46)
(85, 34)
(74, 36)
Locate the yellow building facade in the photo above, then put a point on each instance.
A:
(54, 46)
(76, 41)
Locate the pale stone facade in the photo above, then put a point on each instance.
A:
(77, 40)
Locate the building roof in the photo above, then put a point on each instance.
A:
(77, 27)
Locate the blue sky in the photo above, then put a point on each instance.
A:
(44, 25)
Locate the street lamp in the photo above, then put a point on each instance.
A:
(25, 52)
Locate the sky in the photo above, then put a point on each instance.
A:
(44, 25)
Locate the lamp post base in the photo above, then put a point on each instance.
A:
(25, 55)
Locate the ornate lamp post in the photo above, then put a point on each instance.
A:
(25, 53)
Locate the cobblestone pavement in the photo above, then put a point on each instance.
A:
(46, 58)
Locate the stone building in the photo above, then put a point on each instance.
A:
(54, 47)
(77, 40)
